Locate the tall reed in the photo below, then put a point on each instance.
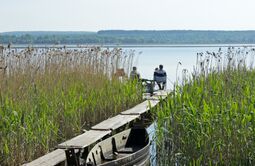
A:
(209, 119)
(52, 94)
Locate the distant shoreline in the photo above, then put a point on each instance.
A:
(136, 38)
(130, 46)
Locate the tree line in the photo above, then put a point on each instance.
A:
(130, 37)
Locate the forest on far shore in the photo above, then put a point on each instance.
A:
(129, 37)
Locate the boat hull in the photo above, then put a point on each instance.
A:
(130, 147)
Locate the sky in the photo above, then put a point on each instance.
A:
(94, 15)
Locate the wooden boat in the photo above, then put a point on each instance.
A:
(130, 147)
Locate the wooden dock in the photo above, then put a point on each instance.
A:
(100, 131)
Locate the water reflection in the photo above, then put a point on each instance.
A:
(153, 151)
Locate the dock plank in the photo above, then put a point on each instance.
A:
(115, 122)
(157, 95)
(162, 92)
(141, 108)
(53, 158)
(148, 97)
(84, 139)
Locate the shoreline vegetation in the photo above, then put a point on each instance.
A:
(129, 37)
(50, 95)
(209, 118)
(23, 46)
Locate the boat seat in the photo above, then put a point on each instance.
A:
(110, 157)
(126, 150)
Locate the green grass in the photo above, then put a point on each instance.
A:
(209, 119)
(48, 97)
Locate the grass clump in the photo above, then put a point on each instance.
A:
(50, 95)
(209, 119)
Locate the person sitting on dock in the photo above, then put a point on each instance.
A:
(134, 75)
(160, 77)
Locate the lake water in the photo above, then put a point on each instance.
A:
(148, 58)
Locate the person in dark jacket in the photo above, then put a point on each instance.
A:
(160, 77)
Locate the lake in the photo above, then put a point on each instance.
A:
(148, 58)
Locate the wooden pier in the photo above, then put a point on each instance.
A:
(101, 131)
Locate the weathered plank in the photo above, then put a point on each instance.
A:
(115, 122)
(158, 95)
(162, 93)
(141, 108)
(53, 158)
(84, 140)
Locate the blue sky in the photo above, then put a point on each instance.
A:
(93, 15)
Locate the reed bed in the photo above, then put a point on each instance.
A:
(209, 118)
(52, 94)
